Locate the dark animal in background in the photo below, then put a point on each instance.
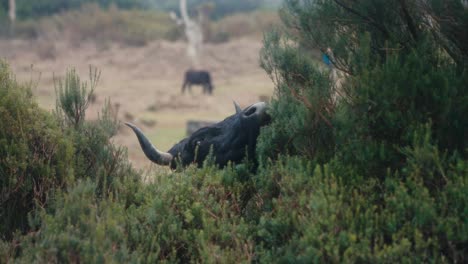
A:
(193, 77)
(230, 140)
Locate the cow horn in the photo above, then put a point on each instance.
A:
(156, 156)
(238, 109)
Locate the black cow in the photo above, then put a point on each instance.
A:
(229, 140)
(193, 77)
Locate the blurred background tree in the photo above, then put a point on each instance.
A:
(28, 9)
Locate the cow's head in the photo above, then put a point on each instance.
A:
(229, 140)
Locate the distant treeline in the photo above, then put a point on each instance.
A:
(31, 9)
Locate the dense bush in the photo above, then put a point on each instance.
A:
(304, 105)
(382, 100)
(292, 211)
(315, 217)
(387, 118)
(190, 216)
(390, 106)
(34, 155)
(95, 156)
(41, 153)
(376, 173)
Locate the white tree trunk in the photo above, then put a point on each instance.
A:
(194, 35)
(12, 10)
(12, 15)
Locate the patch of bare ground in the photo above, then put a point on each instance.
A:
(144, 83)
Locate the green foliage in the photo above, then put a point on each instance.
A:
(372, 170)
(41, 154)
(73, 97)
(95, 157)
(290, 211)
(382, 95)
(302, 112)
(189, 216)
(34, 155)
(390, 131)
(393, 26)
(389, 105)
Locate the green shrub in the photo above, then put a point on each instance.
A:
(41, 153)
(34, 155)
(303, 106)
(390, 105)
(95, 157)
(314, 217)
(290, 211)
(384, 94)
(388, 144)
(184, 217)
(378, 176)
(81, 229)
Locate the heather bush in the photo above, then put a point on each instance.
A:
(95, 156)
(310, 215)
(34, 154)
(290, 211)
(360, 113)
(180, 217)
(389, 105)
(303, 106)
(42, 153)
(389, 131)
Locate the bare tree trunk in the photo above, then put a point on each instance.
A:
(12, 15)
(193, 33)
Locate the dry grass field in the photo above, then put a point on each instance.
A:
(145, 82)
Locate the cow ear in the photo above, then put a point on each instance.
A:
(238, 109)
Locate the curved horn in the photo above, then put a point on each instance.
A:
(238, 109)
(156, 156)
